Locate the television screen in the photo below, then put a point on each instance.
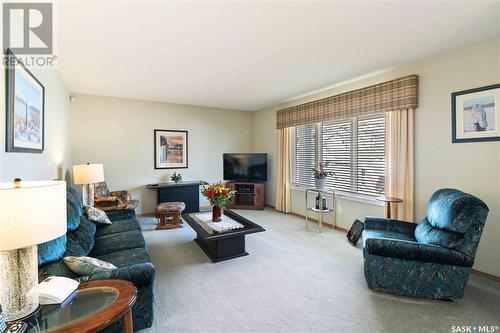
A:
(245, 167)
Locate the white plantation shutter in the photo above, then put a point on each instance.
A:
(305, 154)
(355, 148)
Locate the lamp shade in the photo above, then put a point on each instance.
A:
(88, 174)
(32, 213)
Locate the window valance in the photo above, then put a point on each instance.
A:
(397, 94)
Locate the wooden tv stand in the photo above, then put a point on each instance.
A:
(248, 195)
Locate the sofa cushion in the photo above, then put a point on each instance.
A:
(74, 208)
(141, 275)
(96, 215)
(101, 190)
(119, 226)
(51, 251)
(87, 265)
(122, 214)
(118, 242)
(83, 236)
(73, 247)
(126, 257)
(427, 234)
(453, 210)
(57, 268)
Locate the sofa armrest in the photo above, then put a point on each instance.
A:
(139, 274)
(123, 196)
(407, 250)
(121, 214)
(383, 223)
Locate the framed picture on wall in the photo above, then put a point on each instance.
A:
(171, 149)
(475, 114)
(25, 108)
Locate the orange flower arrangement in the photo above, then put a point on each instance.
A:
(218, 194)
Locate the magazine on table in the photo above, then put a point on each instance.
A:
(56, 289)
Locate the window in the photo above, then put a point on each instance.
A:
(354, 146)
(337, 148)
(370, 152)
(305, 154)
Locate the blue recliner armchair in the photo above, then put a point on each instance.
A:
(432, 259)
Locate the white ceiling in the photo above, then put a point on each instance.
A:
(251, 55)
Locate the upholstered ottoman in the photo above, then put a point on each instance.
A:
(169, 215)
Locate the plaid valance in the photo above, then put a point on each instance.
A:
(388, 96)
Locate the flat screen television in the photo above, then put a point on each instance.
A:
(245, 167)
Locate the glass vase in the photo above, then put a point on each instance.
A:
(216, 213)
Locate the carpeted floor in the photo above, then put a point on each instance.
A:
(294, 280)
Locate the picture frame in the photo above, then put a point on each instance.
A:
(170, 149)
(25, 109)
(475, 114)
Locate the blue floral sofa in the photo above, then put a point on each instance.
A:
(120, 243)
(432, 259)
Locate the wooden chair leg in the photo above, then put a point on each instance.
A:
(176, 218)
(169, 220)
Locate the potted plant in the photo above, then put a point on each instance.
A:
(320, 175)
(218, 195)
(176, 177)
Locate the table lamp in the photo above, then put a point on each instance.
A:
(87, 175)
(31, 213)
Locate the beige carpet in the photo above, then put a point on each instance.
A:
(294, 280)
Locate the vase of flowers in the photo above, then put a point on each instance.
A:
(218, 195)
(320, 175)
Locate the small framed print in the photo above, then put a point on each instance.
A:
(171, 149)
(474, 114)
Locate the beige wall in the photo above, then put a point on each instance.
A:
(55, 161)
(119, 134)
(471, 167)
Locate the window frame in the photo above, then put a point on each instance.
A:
(319, 157)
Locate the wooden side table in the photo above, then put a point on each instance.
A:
(388, 201)
(95, 306)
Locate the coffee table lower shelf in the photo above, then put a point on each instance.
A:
(223, 249)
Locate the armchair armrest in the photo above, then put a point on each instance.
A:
(106, 199)
(407, 250)
(139, 274)
(123, 196)
(383, 223)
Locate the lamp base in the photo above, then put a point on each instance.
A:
(33, 319)
(19, 281)
(88, 194)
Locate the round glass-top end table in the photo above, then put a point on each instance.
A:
(92, 307)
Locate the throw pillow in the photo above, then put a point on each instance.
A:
(97, 215)
(87, 265)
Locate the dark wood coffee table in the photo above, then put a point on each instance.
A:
(227, 244)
